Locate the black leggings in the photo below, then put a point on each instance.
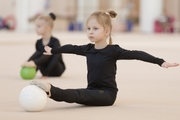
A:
(91, 97)
(43, 61)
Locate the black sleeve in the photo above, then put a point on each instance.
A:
(73, 49)
(121, 53)
(36, 54)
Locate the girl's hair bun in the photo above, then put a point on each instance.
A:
(53, 16)
(112, 13)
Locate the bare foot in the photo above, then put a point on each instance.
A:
(43, 85)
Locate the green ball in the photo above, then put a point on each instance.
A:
(28, 73)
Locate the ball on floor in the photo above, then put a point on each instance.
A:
(28, 73)
(32, 98)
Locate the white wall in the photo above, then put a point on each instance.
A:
(26, 9)
(35, 6)
(7, 7)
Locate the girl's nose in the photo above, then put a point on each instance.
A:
(91, 31)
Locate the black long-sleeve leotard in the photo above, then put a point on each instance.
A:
(48, 65)
(101, 63)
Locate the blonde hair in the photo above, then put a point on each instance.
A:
(104, 19)
(48, 18)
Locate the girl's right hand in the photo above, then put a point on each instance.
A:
(29, 64)
(24, 64)
(47, 50)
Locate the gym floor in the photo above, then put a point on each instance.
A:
(146, 91)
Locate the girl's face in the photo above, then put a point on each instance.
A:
(41, 27)
(96, 32)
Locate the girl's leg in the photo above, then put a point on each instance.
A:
(83, 96)
(42, 59)
(39, 58)
(57, 70)
(80, 96)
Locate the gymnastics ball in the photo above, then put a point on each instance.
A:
(28, 73)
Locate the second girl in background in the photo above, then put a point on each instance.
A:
(48, 65)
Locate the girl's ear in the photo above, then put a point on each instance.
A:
(107, 31)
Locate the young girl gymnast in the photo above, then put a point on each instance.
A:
(48, 65)
(101, 64)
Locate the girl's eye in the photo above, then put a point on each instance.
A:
(88, 28)
(95, 28)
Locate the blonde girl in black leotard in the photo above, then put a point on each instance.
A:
(101, 64)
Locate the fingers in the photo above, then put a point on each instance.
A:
(29, 64)
(48, 50)
(45, 53)
(167, 65)
(24, 64)
(174, 65)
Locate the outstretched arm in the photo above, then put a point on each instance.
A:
(140, 55)
(71, 49)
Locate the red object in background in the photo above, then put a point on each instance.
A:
(10, 21)
(158, 27)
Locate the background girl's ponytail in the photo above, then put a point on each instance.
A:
(48, 18)
(52, 15)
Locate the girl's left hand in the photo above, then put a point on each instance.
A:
(167, 65)
(47, 50)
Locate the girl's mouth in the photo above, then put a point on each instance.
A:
(91, 37)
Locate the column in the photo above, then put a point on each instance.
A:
(149, 11)
(22, 15)
(80, 10)
(85, 8)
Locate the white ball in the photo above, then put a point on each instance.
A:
(32, 98)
